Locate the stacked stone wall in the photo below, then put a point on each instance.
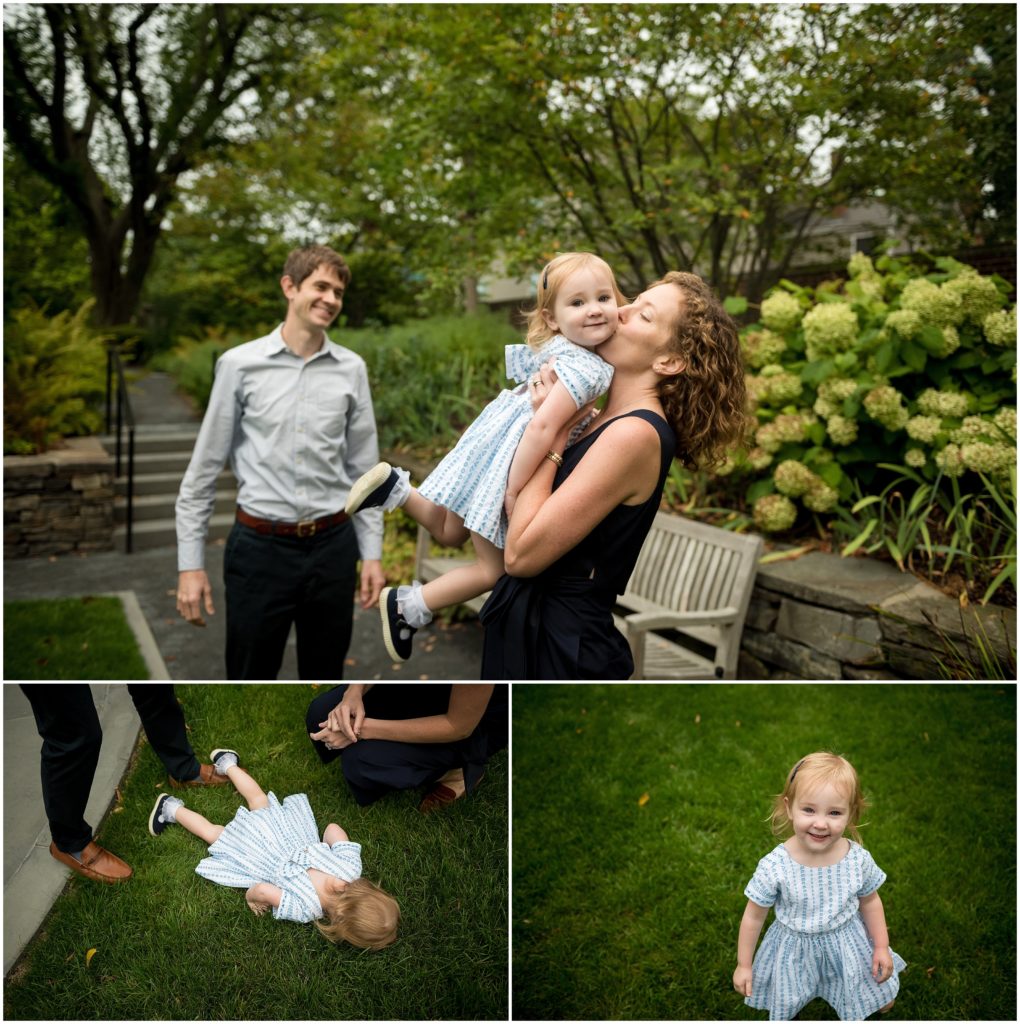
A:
(59, 502)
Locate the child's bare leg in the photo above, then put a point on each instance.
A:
(247, 787)
(447, 528)
(467, 581)
(197, 825)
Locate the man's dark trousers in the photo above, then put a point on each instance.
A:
(65, 715)
(272, 582)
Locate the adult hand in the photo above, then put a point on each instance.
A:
(347, 716)
(334, 739)
(540, 384)
(742, 980)
(881, 964)
(193, 588)
(372, 582)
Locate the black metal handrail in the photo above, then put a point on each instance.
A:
(115, 381)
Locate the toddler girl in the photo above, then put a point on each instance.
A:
(829, 938)
(473, 489)
(273, 851)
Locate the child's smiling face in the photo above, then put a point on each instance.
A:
(820, 816)
(584, 310)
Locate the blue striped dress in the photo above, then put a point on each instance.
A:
(818, 944)
(471, 478)
(278, 844)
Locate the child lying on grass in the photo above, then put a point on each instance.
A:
(273, 851)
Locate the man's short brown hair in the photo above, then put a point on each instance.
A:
(306, 260)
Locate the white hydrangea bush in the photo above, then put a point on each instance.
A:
(893, 365)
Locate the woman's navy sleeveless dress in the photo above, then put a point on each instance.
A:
(559, 624)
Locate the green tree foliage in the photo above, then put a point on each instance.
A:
(112, 103)
(54, 376)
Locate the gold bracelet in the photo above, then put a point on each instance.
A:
(558, 459)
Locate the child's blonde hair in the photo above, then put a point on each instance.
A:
(822, 768)
(360, 913)
(553, 275)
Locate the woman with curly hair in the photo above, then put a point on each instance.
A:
(578, 526)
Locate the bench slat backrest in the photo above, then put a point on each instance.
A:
(687, 566)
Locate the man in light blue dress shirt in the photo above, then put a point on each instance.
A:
(293, 413)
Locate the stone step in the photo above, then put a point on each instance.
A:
(168, 482)
(154, 438)
(161, 506)
(158, 462)
(156, 533)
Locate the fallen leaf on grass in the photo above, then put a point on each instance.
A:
(737, 723)
(88, 957)
(930, 971)
(643, 799)
(85, 646)
(697, 719)
(579, 731)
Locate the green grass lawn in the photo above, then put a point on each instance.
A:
(70, 638)
(626, 907)
(171, 945)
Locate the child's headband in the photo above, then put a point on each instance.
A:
(545, 280)
(796, 769)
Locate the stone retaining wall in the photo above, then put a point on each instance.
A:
(58, 502)
(826, 617)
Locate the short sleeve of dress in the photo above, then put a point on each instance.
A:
(297, 906)
(872, 876)
(347, 859)
(584, 374)
(763, 887)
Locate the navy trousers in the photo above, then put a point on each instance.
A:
(275, 582)
(65, 715)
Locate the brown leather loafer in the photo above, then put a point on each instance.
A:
(207, 776)
(96, 863)
(436, 798)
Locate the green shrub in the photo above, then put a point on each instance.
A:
(892, 367)
(54, 376)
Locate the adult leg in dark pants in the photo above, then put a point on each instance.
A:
(273, 582)
(163, 722)
(373, 768)
(66, 718)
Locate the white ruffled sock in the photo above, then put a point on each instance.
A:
(411, 605)
(224, 761)
(168, 812)
(401, 490)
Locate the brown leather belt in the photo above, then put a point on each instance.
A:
(306, 528)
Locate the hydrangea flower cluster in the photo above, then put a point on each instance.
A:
(915, 457)
(832, 393)
(950, 460)
(842, 430)
(822, 498)
(905, 322)
(762, 347)
(781, 312)
(885, 406)
(860, 265)
(924, 428)
(774, 512)
(782, 387)
(973, 428)
(978, 295)
(942, 403)
(829, 329)
(932, 303)
(1005, 420)
(794, 478)
(1000, 328)
(990, 459)
(786, 427)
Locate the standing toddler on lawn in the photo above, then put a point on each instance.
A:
(829, 938)
(273, 851)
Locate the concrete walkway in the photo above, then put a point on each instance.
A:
(191, 653)
(32, 878)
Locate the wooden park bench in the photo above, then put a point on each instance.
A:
(684, 608)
